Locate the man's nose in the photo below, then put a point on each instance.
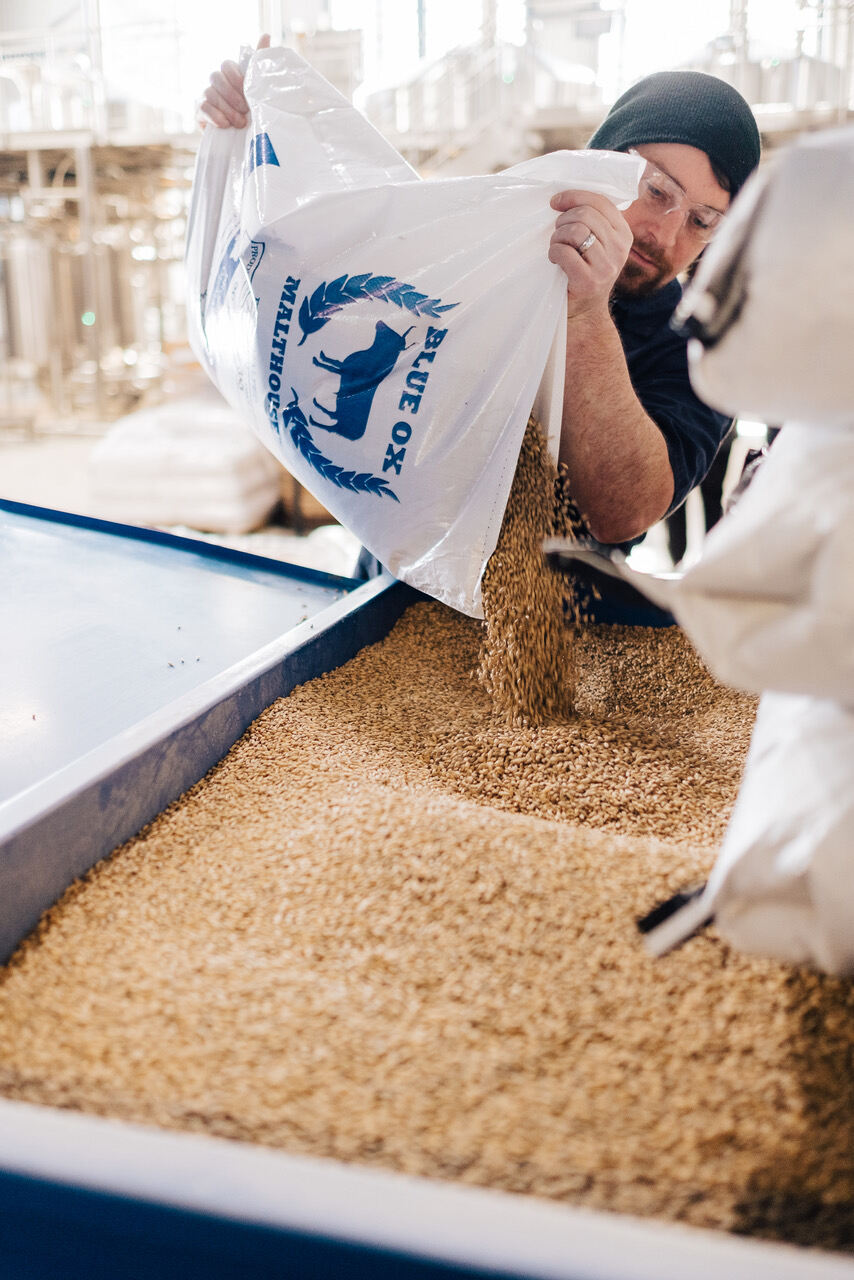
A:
(665, 227)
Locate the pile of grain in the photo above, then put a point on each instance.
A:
(527, 658)
(340, 944)
(656, 747)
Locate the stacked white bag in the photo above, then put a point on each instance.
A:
(385, 337)
(770, 604)
(189, 461)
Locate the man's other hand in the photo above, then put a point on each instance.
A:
(223, 101)
(590, 275)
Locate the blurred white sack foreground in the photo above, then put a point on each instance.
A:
(770, 604)
(385, 337)
(782, 884)
(772, 302)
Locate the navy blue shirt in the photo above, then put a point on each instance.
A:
(657, 360)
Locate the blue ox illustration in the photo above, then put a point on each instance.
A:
(361, 373)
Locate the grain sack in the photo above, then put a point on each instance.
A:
(385, 337)
(770, 606)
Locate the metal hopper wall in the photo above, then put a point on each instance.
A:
(131, 662)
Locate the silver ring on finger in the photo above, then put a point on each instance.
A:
(587, 244)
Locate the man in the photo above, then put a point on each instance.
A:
(635, 439)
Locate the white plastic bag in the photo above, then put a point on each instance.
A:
(385, 337)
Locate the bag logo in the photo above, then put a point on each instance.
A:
(331, 297)
(261, 151)
(354, 481)
(360, 374)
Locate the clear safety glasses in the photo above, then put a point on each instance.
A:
(664, 194)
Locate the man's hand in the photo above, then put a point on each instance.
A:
(223, 101)
(590, 276)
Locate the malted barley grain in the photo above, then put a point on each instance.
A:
(527, 659)
(394, 928)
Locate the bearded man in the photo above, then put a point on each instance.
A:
(635, 438)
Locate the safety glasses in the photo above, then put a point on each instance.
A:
(664, 195)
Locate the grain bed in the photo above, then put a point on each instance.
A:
(350, 941)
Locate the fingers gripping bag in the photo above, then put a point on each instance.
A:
(385, 337)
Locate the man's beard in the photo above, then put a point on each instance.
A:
(635, 282)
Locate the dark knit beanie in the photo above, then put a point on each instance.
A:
(690, 107)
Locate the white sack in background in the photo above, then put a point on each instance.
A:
(385, 337)
(189, 461)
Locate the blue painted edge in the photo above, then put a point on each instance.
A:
(73, 831)
(175, 542)
(54, 1231)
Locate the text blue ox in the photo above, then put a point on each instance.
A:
(360, 373)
